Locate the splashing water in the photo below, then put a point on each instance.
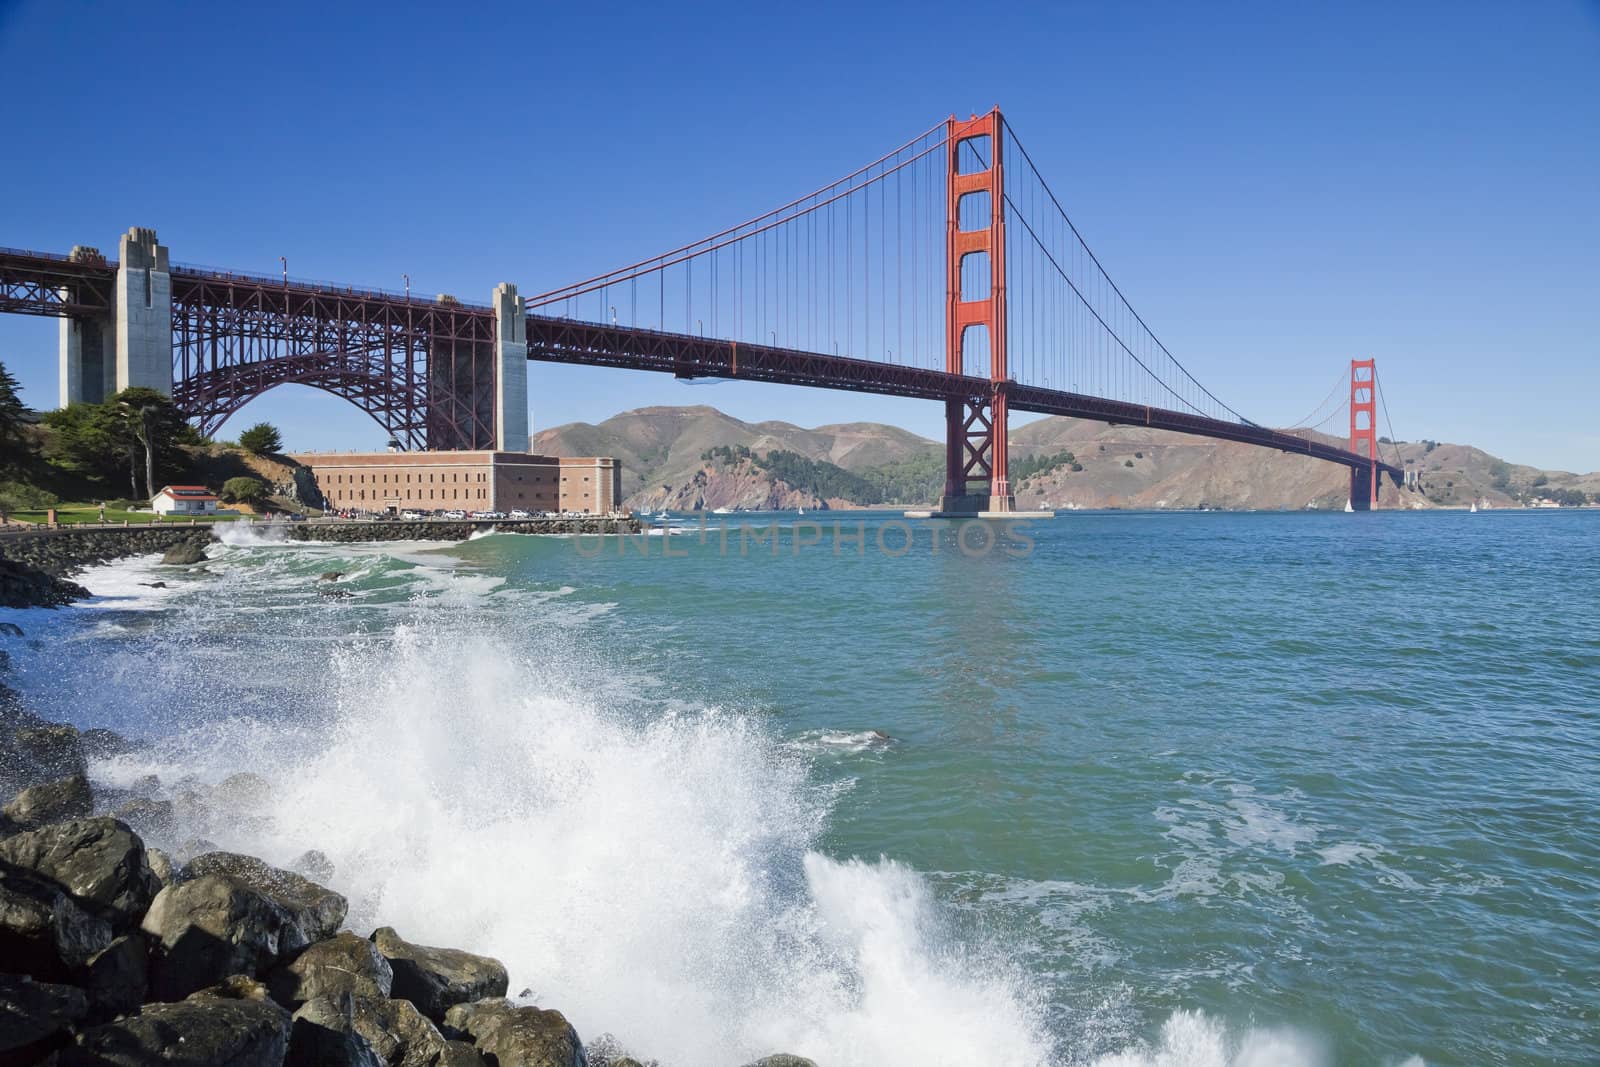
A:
(655, 879)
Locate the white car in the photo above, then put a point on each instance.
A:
(455, 514)
(488, 514)
(518, 513)
(412, 516)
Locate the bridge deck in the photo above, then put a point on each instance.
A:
(39, 283)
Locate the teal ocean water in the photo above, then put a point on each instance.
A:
(1175, 789)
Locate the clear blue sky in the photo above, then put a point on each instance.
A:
(1278, 187)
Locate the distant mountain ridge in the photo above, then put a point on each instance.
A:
(689, 457)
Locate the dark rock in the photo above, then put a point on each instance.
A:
(45, 752)
(783, 1059)
(10, 629)
(394, 1030)
(233, 914)
(331, 576)
(514, 1036)
(26, 586)
(37, 805)
(147, 785)
(319, 911)
(336, 594)
(154, 818)
(324, 1036)
(154, 585)
(193, 1033)
(185, 554)
(34, 1017)
(117, 977)
(436, 979)
(345, 963)
(43, 931)
(99, 862)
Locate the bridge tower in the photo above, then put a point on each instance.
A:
(1364, 481)
(977, 468)
(132, 343)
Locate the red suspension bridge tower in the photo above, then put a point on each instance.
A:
(1364, 481)
(977, 467)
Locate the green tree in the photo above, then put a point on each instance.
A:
(245, 489)
(13, 417)
(262, 439)
(136, 427)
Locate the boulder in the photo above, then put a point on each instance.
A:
(202, 1032)
(314, 864)
(394, 1030)
(185, 554)
(43, 931)
(513, 1036)
(783, 1059)
(162, 866)
(41, 752)
(318, 910)
(100, 863)
(324, 1035)
(331, 576)
(117, 977)
(34, 1017)
(436, 979)
(10, 629)
(242, 790)
(233, 915)
(37, 805)
(345, 963)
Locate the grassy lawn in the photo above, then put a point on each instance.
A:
(72, 514)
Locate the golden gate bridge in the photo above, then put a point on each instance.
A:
(945, 270)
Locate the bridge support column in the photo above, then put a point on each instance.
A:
(511, 369)
(143, 324)
(975, 427)
(88, 363)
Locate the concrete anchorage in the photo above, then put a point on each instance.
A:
(132, 345)
(511, 369)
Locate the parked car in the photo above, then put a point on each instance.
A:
(455, 514)
(297, 517)
(412, 516)
(518, 513)
(488, 514)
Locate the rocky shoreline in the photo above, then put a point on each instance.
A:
(35, 565)
(113, 951)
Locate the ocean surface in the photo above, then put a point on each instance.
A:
(1127, 789)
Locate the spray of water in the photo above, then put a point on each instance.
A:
(654, 877)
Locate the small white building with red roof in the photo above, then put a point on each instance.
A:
(184, 500)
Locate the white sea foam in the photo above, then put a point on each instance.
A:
(1194, 1039)
(652, 876)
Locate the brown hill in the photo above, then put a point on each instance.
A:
(663, 448)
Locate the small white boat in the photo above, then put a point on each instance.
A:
(1474, 508)
(799, 511)
(1347, 506)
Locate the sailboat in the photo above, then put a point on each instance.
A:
(1474, 508)
(799, 511)
(1347, 506)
